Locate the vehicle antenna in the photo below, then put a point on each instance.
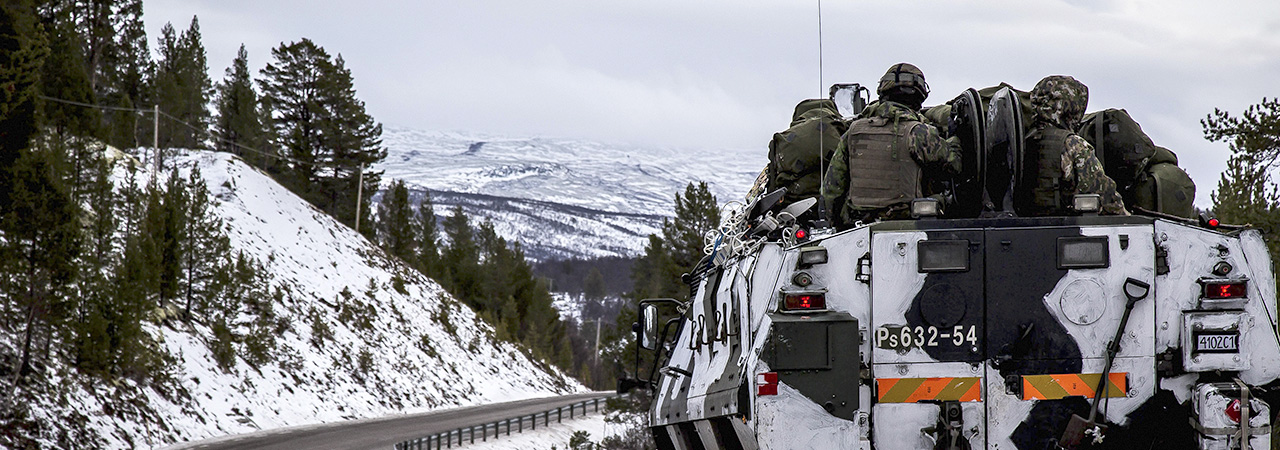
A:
(822, 169)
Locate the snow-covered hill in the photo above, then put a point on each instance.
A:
(407, 347)
(563, 198)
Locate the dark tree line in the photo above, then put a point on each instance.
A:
(574, 275)
(477, 266)
(91, 264)
(656, 274)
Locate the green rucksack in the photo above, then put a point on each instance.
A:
(1147, 175)
(1120, 143)
(794, 154)
(1164, 187)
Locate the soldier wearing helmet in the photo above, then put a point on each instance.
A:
(882, 162)
(1062, 163)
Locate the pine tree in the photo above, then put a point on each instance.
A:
(593, 292)
(22, 54)
(352, 143)
(64, 77)
(696, 212)
(427, 235)
(69, 129)
(395, 222)
(42, 241)
(291, 88)
(112, 46)
(207, 248)
(657, 274)
(129, 84)
(238, 123)
(136, 283)
(1246, 192)
(323, 128)
(169, 226)
(182, 87)
(593, 285)
(500, 297)
(460, 259)
(89, 340)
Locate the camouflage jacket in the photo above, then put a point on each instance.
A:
(1082, 173)
(934, 154)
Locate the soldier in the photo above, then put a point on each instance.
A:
(881, 162)
(1062, 163)
(798, 155)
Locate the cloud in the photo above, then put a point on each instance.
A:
(723, 73)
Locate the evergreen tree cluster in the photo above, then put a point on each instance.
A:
(89, 264)
(302, 123)
(657, 274)
(477, 266)
(1247, 193)
(567, 275)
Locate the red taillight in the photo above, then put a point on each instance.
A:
(1233, 411)
(767, 384)
(1224, 289)
(1213, 223)
(802, 234)
(804, 302)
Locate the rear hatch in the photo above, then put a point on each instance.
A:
(1005, 322)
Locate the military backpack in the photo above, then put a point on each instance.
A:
(1146, 174)
(1164, 187)
(1119, 143)
(798, 155)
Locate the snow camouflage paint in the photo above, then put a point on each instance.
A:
(978, 333)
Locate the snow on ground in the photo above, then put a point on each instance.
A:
(569, 305)
(563, 198)
(555, 435)
(362, 336)
(608, 177)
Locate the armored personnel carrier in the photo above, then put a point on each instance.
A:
(967, 330)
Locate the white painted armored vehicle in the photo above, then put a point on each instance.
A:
(1000, 332)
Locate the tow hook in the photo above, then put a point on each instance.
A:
(949, 428)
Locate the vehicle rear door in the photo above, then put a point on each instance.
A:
(1054, 300)
(927, 320)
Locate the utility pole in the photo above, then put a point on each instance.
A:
(155, 137)
(597, 355)
(359, 194)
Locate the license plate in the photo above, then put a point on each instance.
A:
(1221, 343)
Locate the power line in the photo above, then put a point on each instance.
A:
(156, 110)
(73, 102)
(206, 132)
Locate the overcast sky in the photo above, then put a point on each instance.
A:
(707, 74)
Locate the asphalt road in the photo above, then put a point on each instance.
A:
(384, 432)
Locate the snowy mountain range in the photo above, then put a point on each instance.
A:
(407, 347)
(563, 198)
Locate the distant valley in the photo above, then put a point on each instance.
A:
(561, 198)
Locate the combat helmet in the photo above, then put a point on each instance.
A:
(900, 80)
(1060, 100)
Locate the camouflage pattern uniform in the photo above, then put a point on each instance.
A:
(1059, 102)
(925, 144)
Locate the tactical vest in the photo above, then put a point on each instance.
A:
(882, 172)
(1041, 191)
